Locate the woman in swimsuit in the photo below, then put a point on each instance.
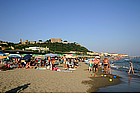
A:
(131, 68)
(106, 65)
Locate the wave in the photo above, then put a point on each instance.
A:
(123, 64)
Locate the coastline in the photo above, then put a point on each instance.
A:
(46, 81)
(101, 80)
(129, 84)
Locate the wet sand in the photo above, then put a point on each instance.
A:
(101, 80)
(129, 84)
(46, 81)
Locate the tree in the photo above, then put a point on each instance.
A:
(40, 41)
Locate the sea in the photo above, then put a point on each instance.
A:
(123, 64)
(130, 82)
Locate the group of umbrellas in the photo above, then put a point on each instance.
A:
(28, 56)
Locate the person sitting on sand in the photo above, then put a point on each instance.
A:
(28, 65)
(106, 65)
(23, 63)
(131, 69)
(19, 65)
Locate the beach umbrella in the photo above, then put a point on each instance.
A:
(14, 56)
(70, 56)
(60, 55)
(2, 54)
(51, 55)
(3, 57)
(27, 57)
(40, 56)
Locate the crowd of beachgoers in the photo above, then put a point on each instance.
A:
(54, 62)
(72, 71)
(51, 63)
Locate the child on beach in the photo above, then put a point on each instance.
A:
(90, 65)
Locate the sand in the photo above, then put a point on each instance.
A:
(46, 81)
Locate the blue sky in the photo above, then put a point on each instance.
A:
(99, 25)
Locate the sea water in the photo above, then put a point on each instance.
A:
(123, 64)
(130, 82)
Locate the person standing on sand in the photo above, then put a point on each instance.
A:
(52, 63)
(131, 69)
(106, 64)
(96, 64)
(90, 65)
(64, 62)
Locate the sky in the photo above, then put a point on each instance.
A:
(100, 25)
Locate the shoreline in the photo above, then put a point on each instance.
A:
(129, 84)
(102, 81)
(46, 81)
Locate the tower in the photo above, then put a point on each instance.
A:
(21, 41)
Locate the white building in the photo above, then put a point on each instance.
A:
(37, 48)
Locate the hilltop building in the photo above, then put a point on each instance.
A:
(56, 40)
(32, 42)
(23, 42)
(26, 42)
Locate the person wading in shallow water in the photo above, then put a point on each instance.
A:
(131, 68)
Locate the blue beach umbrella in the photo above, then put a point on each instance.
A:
(2, 54)
(27, 57)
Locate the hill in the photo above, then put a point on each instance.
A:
(53, 47)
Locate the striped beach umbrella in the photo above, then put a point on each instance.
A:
(14, 56)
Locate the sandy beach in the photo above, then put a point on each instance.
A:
(46, 81)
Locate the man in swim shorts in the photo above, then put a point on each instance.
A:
(96, 64)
